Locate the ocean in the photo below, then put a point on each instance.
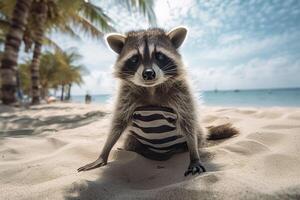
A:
(259, 98)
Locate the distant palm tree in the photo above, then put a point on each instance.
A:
(74, 72)
(27, 37)
(69, 71)
(62, 15)
(58, 69)
(24, 75)
(47, 14)
(49, 67)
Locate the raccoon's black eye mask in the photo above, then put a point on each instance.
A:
(161, 59)
(166, 64)
(131, 64)
(133, 60)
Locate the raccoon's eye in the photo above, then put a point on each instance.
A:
(134, 59)
(160, 57)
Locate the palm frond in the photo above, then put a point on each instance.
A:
(86, 27)
(65, 29)
(47, 41)
(6, 7)
(95, 15)
(143, 6)
(4, 24)
(2, 38)
(81, 68)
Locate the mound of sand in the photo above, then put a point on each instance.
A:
(41, 148)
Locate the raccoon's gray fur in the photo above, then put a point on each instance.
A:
(152, 73)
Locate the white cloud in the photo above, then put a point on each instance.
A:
(244, 48)
(169, 13)
(226, 39)
(96, 55)
(98, 82)
(257, 73)
(226, 46)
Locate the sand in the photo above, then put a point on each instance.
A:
(41, 148)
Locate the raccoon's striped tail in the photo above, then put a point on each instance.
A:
(221, 132)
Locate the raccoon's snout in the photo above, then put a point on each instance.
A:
(149, 74)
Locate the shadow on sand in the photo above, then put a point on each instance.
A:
(51, 108)
(26, 125)
(133, 175)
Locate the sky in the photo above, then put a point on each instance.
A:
(231, 44)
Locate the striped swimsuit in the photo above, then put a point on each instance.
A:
(154, 128)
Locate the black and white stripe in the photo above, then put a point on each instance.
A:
(155, 128)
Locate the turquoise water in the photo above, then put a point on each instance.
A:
(260, 98)
(263, 98)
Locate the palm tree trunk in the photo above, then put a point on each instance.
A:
(10, 55)
(62, 92)
(69, 91)
(41, 17)
(44, 91)
(35, 86)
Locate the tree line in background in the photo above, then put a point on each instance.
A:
(29, 22)
(58, 70)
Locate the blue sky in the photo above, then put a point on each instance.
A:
(231, 44)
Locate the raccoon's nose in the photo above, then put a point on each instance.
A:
(148, 74)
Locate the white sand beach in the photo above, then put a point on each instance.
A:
(42, 147)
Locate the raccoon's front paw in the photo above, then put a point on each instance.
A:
(98, 163)
(195, 167)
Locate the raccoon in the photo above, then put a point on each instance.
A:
(154, 105)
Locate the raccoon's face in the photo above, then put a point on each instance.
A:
(149, 57)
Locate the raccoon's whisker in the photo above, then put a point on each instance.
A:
(124, 73)
(168, 68)
(167, 65)
(170, 72)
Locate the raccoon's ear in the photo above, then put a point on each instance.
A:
(177, 36)
(116, 42)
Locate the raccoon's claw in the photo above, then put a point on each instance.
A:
(195, 167)
(98, 163)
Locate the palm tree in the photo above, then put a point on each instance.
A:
(75, 77)
(68, 17)
(49, 67)
(11, 50)
(49, 13)
(75, 73)
(24, 75)
(27, 39)
(69, 72)
(39, 10)
(58, 69)
(81, 13)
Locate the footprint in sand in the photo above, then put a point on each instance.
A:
(267, 138)
(269, 114)
(294, 116)
(247, 147)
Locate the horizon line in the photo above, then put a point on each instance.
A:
(219, 90)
